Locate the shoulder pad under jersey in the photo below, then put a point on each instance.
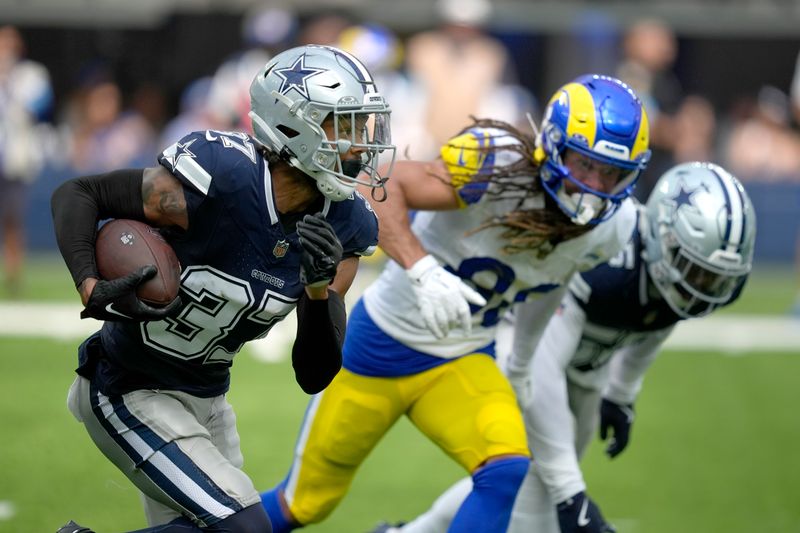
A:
(203, 156)
(471, 157)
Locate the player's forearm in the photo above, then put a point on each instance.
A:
(79, 203)
(398, 241)
(414, 185)
(317, 349)
(394, 234)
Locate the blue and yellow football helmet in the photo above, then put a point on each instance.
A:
(601, 118)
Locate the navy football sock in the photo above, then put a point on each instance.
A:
(494, 489)
(271, 502)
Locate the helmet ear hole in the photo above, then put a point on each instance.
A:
(286, 130)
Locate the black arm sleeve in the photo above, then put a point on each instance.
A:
(79, 203)
(317, 350)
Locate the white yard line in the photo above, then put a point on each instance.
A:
(61, 321)
(734, 334)
(7, 510)
(49, 320)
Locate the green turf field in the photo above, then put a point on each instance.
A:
(713, 450)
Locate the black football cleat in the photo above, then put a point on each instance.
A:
(72, 527)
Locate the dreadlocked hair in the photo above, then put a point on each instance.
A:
(537, 229)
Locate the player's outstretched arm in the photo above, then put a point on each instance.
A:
(443, 298)
(414, 185)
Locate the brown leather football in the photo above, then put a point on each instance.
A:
(123, 246)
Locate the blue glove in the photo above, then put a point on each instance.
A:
(579, 514)
(619, 418)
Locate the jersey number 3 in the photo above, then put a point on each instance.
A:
(202, 330)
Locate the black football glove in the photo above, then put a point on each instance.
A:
(116, 300)
(619, 418)
(579, 514)
(322, 251)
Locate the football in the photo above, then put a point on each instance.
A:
(122, 246)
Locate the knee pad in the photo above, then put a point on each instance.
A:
(347, 443)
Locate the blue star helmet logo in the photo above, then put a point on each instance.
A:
(296, 77)
(684, 197)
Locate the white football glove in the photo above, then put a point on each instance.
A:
(443, 298)
(520, 379)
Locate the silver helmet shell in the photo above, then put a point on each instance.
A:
(296, 91)
(699, 236)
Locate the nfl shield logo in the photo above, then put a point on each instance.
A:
(281, 247)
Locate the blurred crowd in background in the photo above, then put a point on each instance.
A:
(434, 79)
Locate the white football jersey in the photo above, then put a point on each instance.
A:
(478, 257)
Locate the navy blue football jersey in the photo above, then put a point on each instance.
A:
(619, 295)
(622, 306)
(240, 270)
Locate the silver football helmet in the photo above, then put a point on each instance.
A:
(700, 231)
(301, 88)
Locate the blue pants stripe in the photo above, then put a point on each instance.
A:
(165, 464)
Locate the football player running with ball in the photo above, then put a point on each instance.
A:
(503, 219)
(691, 253)
(261, 225)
